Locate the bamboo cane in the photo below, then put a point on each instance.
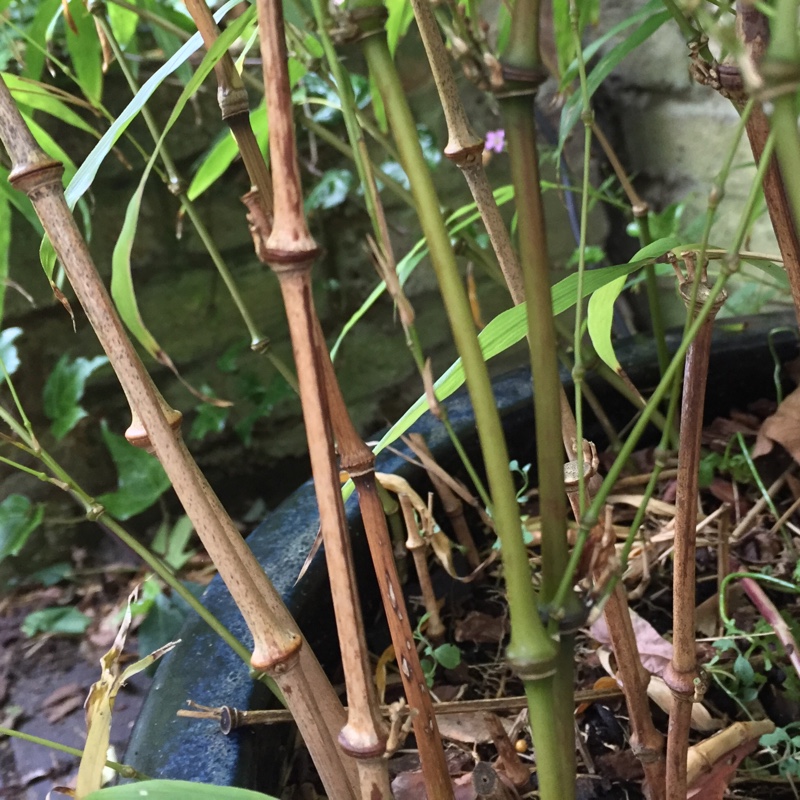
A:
(290, 251)
(278, 646)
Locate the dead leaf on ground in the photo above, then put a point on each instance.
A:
(63, 701)
(782, 427)
(481, 628)
(411, 786)
(468, 728)
(654, 650)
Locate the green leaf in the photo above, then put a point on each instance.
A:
(84, 177)
(448, 655)
(19, 518)
(166, 40)
(571, 112)
(778, 736)
(19, 200)
(175, 790)
(209, 419)
(743, 670)
(36, 48)
(123, 23)
(64, 390)
(141, 480)
(34, 95)
(5, 246)
(8, 351)
(331, 191)
(510, 327)
(122, 290)
(401, 13)
(50, 146)
(599, 319)
(55, 620)
(171, 543)
(85, 52)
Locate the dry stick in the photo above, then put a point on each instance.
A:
(278, 646)
(517, 772)
(231, 718)
(416, 544)
(465, 149)
(453, 507)
(290, 252)
(359, 462)
(682, 674)
(647, 743)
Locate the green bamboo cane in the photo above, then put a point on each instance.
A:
(530, 650)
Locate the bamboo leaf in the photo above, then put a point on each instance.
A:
(50, 146)
(600, 317)
(123, 23)
(571, 112)
(222, 154)
(34, 95)
(80, 184)
(510, 327)
(175, 790)
(122, 290)
(35, 51)
(85, 51)
(401, 13)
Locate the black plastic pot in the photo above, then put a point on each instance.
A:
(203, 669)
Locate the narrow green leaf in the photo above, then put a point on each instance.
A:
(175, 790)
(19, 518)
(167, 41)
(37, 38)
(123, 22)
(9, 357)
(85, 51)
(141, 480)
(122, 290)
(80, 184)
(600, 317)
(571, 112)
(19, 200)
(50, 146)
(67, 620)
(34, 95)
(510, 327)
(64, 390)
(222, 154)
(401, 13)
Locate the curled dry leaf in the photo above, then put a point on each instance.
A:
(100, 705)
(481, 628)
(782, 427)
(468, 727)
(660, 694)
(654, 650)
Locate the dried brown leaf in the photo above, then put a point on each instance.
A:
(782, 427)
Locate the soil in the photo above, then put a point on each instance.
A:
(44, 679)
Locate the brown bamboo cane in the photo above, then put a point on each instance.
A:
(278, 646)
(290, 252)
(358, 461)
(682, 674)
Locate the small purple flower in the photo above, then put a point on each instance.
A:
(495, 140)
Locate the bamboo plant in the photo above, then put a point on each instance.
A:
(348, 745)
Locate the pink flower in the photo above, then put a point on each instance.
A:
(495, 140)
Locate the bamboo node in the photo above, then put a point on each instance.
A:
(232, 101)
(683, 685)
(522, 80)
(275, 661)
(363, 744)
(40, 172)
(464, 156)
(358, 24)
